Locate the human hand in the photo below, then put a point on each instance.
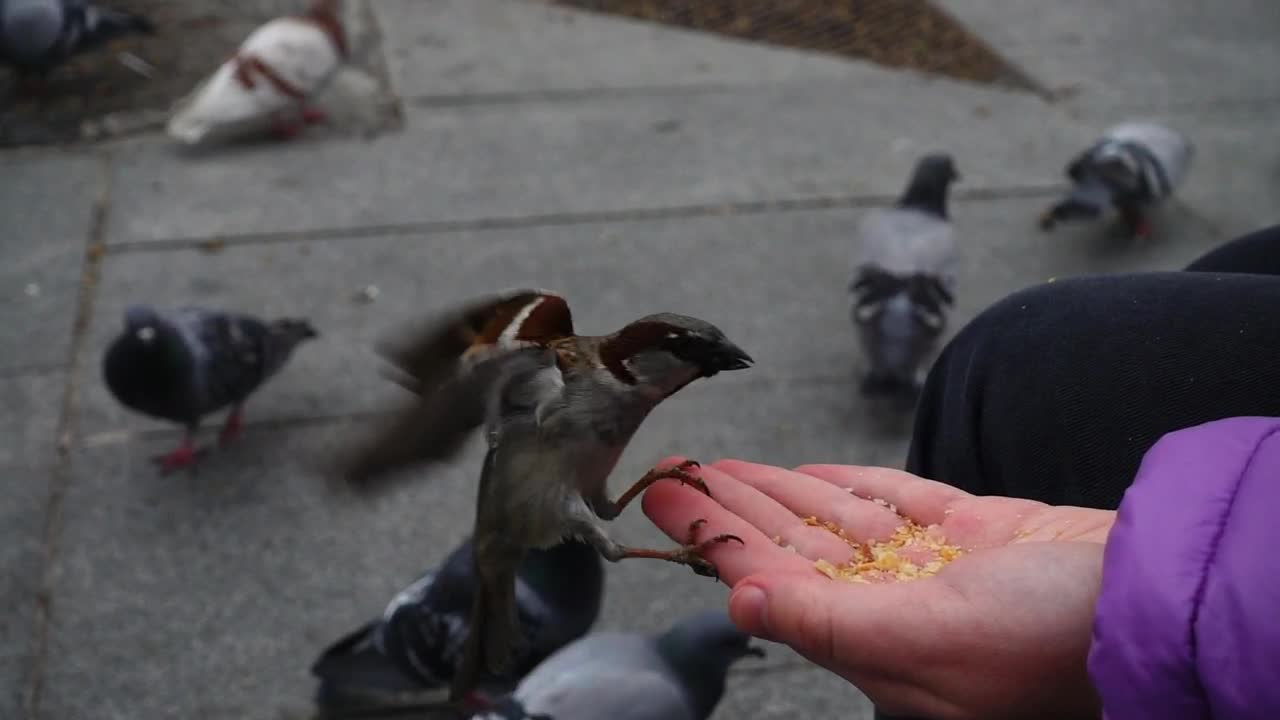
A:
(1001, 632)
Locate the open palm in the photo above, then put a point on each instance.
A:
(1001, 632)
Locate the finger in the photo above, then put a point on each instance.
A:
(773, 519)
(672, 507)
(924, 501)
(807, 496)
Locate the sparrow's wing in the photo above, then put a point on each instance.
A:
(452, 362)
(433, 353)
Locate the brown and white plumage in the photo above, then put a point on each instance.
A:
(560, 409)
(268, 80)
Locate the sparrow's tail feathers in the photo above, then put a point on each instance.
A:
(495, 628)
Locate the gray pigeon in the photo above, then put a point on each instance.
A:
(1134, 167)
(183, 365)
(678, 675)
(405, 659)
(904, 278)
(38, 35)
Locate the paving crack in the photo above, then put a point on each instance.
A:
(216, 243)
(66, 429)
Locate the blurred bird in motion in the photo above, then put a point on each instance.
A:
(268, 83)
(904, 278)
(1134, 168)
(560, 409)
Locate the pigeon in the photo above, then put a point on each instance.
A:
(183, 365)
(904, 279)
(38, 35)
(406, 658)
(678, 675)
(268, 83)
(1135, 166)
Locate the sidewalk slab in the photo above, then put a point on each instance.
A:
(468, 48)
(28, 433)
(595, 155)
(1141, 53)
(774, 282)
(47, 202)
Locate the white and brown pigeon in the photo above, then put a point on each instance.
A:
(266, 86)
(1134, 167)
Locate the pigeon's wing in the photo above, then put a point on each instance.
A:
(231, 351)
(905, 242)
(603, 691)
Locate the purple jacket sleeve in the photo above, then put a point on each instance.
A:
(1188, 620)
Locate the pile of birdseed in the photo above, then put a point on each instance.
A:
(913, 551)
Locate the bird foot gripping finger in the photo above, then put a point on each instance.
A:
(680, 472)
(693, 552)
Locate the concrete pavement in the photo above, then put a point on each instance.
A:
(635, 168)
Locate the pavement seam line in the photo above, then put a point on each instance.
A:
(214, 243)
(60, 476)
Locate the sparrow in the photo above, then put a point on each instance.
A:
(188, 363)
(559, 409)
(904, 278)
(1134, 166)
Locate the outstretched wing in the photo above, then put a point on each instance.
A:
(434, 352)
(452, 365)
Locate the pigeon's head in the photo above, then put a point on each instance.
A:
(930, 182)
(659, 354)
(701, 648)
(144, 326)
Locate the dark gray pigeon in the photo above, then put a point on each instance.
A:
(183, 365)
(1134, 167)
(678, 675)
(406, 658)
(904, 278)
(38, 35)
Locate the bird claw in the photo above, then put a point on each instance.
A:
(691, 554)
(681, 472)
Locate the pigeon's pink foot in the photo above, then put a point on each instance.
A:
(286, 129)
(231, 429)
(312, 116)
(1142, 230)
(182, 458)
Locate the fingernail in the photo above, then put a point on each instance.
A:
(748, 607)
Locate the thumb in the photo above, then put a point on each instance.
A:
(803, 610)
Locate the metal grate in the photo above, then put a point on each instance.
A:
(897, 33)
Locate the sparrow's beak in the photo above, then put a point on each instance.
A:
(728, 357)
